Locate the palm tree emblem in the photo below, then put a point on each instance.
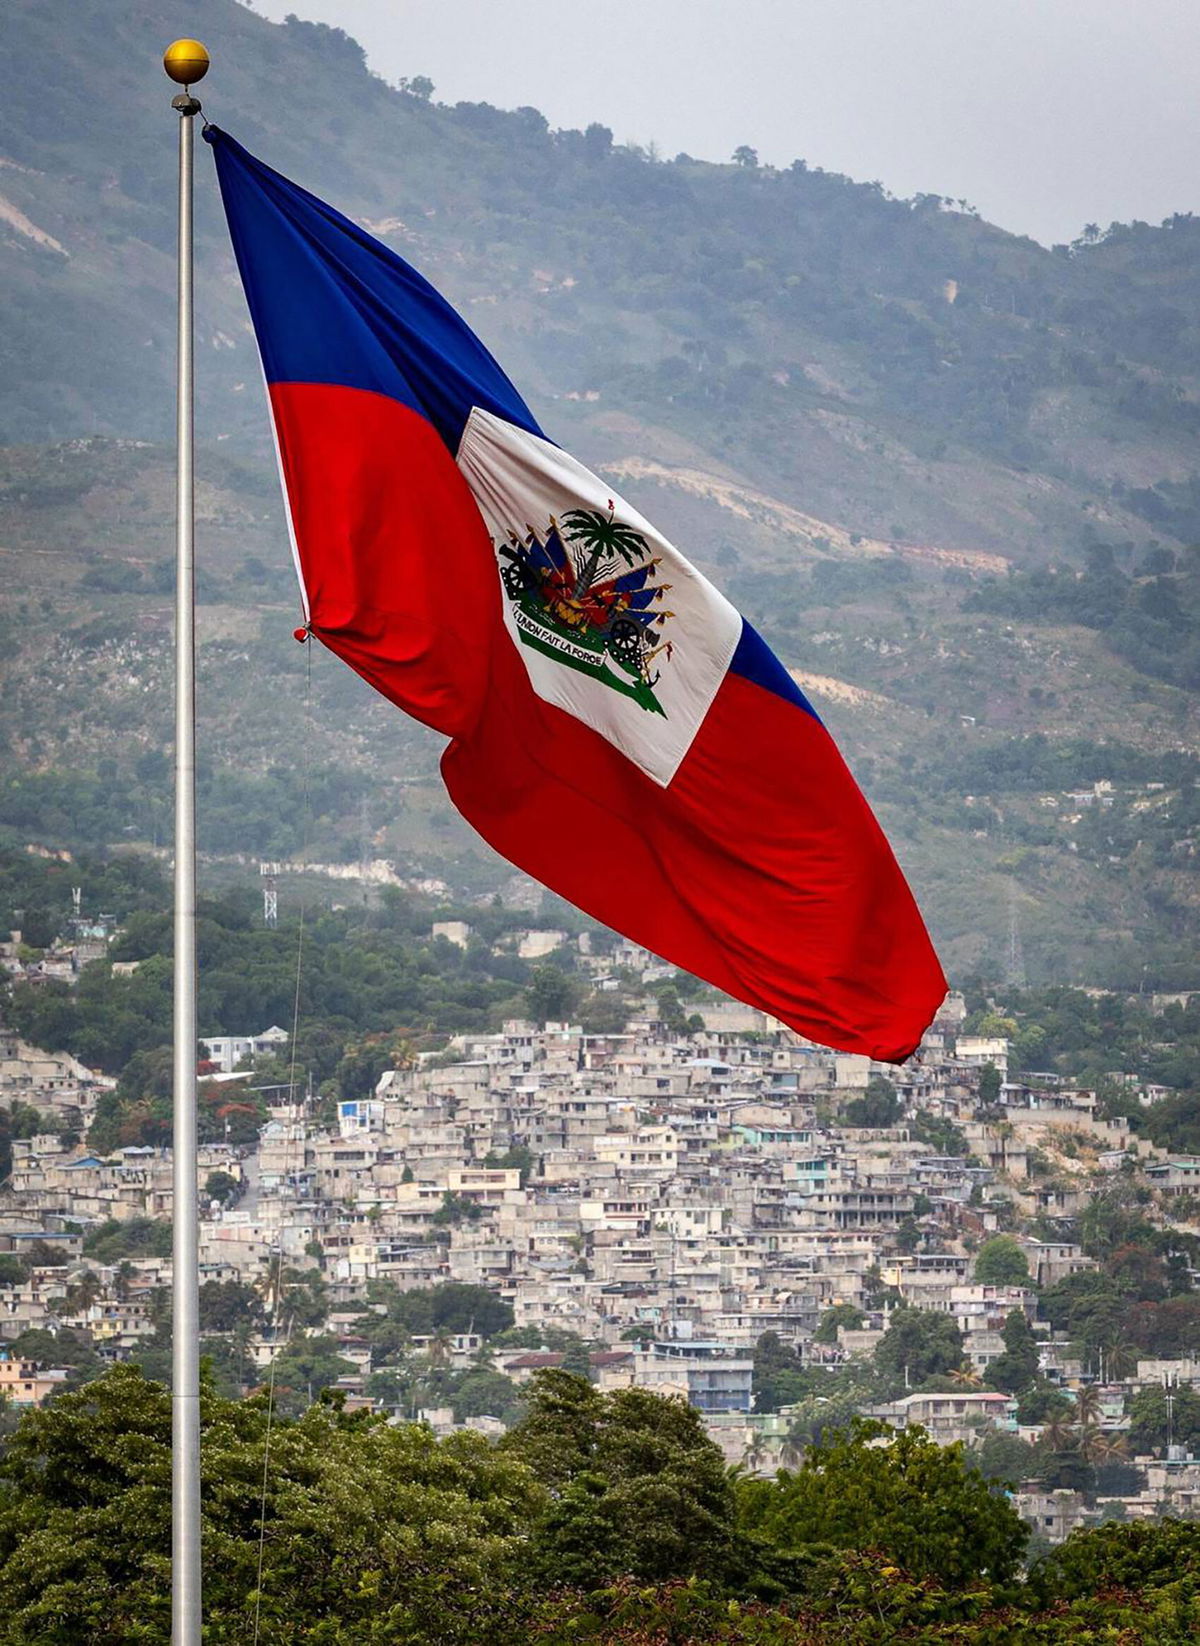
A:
(609, 541)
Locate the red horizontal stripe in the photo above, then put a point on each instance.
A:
(760, 868)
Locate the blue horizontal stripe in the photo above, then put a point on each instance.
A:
(331, 304)
(754, 660)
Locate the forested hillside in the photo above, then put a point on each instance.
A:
(950, 472)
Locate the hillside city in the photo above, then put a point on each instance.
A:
(699, 1203)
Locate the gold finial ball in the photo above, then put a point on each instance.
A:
(185, 61)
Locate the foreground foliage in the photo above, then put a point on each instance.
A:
(373, 1533)
(602, 1517)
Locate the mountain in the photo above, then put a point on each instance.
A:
(950, 473)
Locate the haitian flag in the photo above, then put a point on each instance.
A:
(616, 728)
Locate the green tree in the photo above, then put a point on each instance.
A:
(637, 1485)
(1001, 1262)
(224, 1188)
(1114, 1218)
(552, 994)
(1016, 1369)
(65, 1347)
(450, 1307)
(1067, 1470)
(1072, 1301)
(228, 1362)
(1151, 1422)
(393, 1385)
(373, 1533)
(778, 1376)
(228, 1304)
(26, 1121)
(299, 1297)
(875, 1294)
(558, 1436)
(609, 542)
(1004, 1457)
(82, 1292)
(919, 1504)
(670, 1011)
(878, 1107)
(1143, 1559)
(516, 1158)
(989, 1086)
(578, 1359)
(606, 1011)
(482, 1393)
(456, 1209)
(942, 1136)
(918, 1344)
(814, 1417)
(305, 1368)
(833, 1319)
(139, 1237)
(12, 1271)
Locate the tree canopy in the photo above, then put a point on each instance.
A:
(1015, 1369)
(636, 1484)
(607, 1518)
(923, 1506)
(919, 1344)
(1001, 1262)
(375, 1533)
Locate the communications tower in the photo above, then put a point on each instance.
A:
(269, 871)
(1015, 969)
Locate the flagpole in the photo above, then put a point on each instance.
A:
(185, 62)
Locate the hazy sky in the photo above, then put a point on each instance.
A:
(1045, 114)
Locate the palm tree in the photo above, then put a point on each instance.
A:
(606, 538)
(1097, 1446)
(1059, 1435)
(1120, 1358)
(269, 1283)
(82, 1293)
(1087, 1405)
(438, 1350)
(239, 1353)
(966, 1377)
(755, 1451)
(275, 1283)
(791, 1453)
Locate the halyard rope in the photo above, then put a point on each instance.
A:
(275, 1302)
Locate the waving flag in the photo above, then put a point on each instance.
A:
(616, 728)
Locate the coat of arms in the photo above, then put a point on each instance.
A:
(584, 592)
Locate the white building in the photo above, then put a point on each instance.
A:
(230, 1051)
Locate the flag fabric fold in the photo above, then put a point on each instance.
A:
(616, 728)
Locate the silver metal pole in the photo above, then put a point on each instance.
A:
(185, 1261)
